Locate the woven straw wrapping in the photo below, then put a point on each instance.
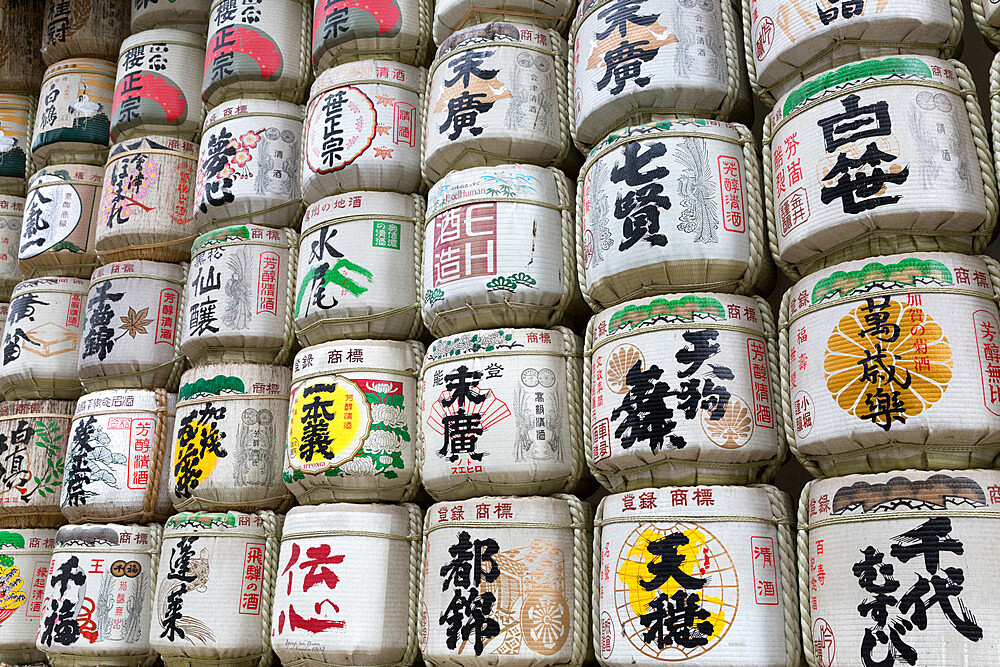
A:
(518, 114)
(158, 85)
(787, 44)
(921, 128)
(863, 534)
(229, 438)
(534, 559)
(41, 429)
(353, 279)
(987, 20)
(238, 298)
(117, 461)
(363, 130)
(191, 15)
(932, 404)
(24, 566)
(248, 168)
(712, 358)
(41, 336)
(453, 15)
(498, 250)
(11, 217)
(73, 123)
(21, 65)
(130, 336)
(352, 422)
(92, 565)
(711, 236)
(83, 29)
(216, 587)
(147, 201)
(697, 70)
(403, 33)
(61, 214)
(735, 545)
(521, 388)
(257, 49)
(17, 120)
(374, 551)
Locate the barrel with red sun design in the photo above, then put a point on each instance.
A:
(347, 30)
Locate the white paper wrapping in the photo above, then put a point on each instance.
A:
(24, 568)
(680, 391)
(890, 565)
(343, 31)
(229, 438)
(191, 15)
(523, 564)
(16, 123)
(671, 206)
(452, 15)
(216, 584)
(359, 258)
(97, 598)
(888, 362)
(238, 297)
(117, 464)
(364, 609)
(702, 575)
(363, 129)
(632, 63)
(501, 413)
(129, 337)
(352, 422)
(11, 217)
(40, 339)
(496, 94)
(875, 158)
(498, 250)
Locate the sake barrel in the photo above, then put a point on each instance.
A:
(191, 15)
(510, 577)
(721, 556)
(24, 566)
(668, 58)
(74, 110)
(117, 460)
(34, 436)
(40, 337)
(158, 86)
(363, 130)
(257, 49)
(83, 29)
(344, 32)
(21, 65)
(498, 250)
(672, 206)
(248, 168)
(872, 375)
(365, 612)
(453, 15)
(788, 43)
(905, 546)
(500, 413)
(229, 438)
(680, 392)
(96, 609)
(352, 422)
(496, 94)
(11, 217)
(129, 336)
(896, 161)
(238, 297)
(146, 201)
(354, 278)
(16, 123)
(216, 583)
(60, 221)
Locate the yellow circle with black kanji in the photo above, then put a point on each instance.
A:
(886, 361)
(328, 422)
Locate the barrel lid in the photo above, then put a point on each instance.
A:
(87, 174)
(114, 536)
(14, 540)
(163, 35)
(348, 519)
(361, 203)
(507, 341)
(81, 66)
(387, 72)
(501, 33)
(234, 379)
(122, 400)
(735, 503)
(525, 183)
(154, 142)
(665, 128)
(348, 355)
(50, 284)
(250, 108)
(29, 407)
(535, 512)
(244, 234)
(139, 268)
(239, 524)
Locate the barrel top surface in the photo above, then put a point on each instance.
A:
(525, 182)
(76, 65)
(550, 513)
(368, 71)
(51, 284)
(139, 268)
(160, 35)
(312, 520)
(345, 355)
(369, 204)
(498, 33)
(218, 524)
(687, 502)
(240, 234)
(505, 341)
(664, 129)
(235, 379)
(13, 540)
(250, 108)
(105, 400)
(179, 147)
(130, 537)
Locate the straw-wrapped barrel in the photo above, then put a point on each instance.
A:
(11, 218)
(453, 15)
(17, 122)
(344, 31)
(73, 120)
(83, 29)
(21, 64)
(24, 568)
(190, 15)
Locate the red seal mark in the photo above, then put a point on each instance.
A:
(824, 645)
(765, 38)
(803, 412)
(607, 635)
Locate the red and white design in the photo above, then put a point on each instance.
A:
(267, 282)
(761, 384)
(765, 573)
(731, 182)
(253, 579)
(465, 243)
(988, 344)
(492, 410)
(141, 434)
(166, 315)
